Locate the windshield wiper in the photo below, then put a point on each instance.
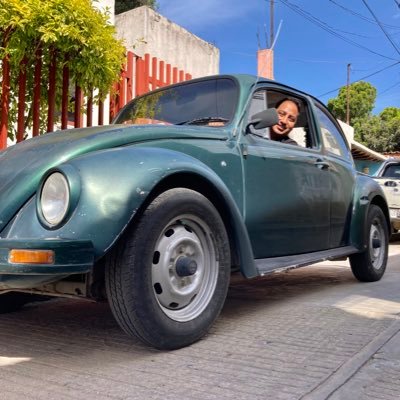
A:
(202, 121)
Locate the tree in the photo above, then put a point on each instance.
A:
(372, 132)
(126, 5)
(362, 97)
(380, 133)
(390, 113)
(73, 30)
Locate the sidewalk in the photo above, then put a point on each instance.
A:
(379, 377)
(373, 373)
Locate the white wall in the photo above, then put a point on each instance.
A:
(106, 4)
(348, 131)
(145, 31)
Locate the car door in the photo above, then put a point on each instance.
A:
(287, 190)
(342, 175)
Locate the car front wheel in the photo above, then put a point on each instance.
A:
(168, 277)
(370, 265)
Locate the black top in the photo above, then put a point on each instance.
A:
(287, 140)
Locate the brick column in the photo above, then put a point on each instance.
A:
(265, 63)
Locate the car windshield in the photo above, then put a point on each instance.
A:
(209, 102)
(392, 171)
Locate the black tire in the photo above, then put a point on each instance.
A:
(370, 265)
(167, 279)
(14, 301)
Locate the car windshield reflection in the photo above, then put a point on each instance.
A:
(203, 103)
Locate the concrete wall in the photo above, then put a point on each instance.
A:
(347, 130)
(145, 31)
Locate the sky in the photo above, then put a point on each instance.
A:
(315, 40)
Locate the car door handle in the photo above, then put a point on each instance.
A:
(322, 164)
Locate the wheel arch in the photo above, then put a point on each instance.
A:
(367, 192)
(145, 172)
(239, 243)
(369, 265)
(381, 203)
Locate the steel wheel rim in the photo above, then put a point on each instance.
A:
(377, 244)
(185, 238)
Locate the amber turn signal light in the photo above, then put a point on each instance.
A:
(18, 256)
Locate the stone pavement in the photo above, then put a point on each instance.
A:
(313, 333)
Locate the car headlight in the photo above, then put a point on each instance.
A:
(55, 198)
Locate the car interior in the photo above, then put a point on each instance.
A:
(263, 99)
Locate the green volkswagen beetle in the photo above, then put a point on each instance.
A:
(155, 211)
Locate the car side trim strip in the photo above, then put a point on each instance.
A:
(275, 264)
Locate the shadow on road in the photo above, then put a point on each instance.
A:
(85, 325)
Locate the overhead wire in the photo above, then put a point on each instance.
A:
(390, 87)
(362, 16)
(380, 25)
(330, 27)
(333, 31)
(364, 77)
(323, 26)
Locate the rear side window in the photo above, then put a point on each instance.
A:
(332, 138)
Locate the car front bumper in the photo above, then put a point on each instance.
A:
(395, 218)
(70, 257)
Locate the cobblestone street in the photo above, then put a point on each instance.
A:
(312, 333)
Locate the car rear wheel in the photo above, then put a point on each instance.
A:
(370, 265)
(168, 277)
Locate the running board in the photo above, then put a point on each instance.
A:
(274, 264)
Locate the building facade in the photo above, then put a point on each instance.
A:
(145, 31)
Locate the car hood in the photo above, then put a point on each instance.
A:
(23, 165)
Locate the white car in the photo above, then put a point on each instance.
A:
(388, 176)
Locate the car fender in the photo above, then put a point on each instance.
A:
(112, 185)
(366, 192)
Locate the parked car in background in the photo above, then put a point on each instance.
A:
(155, 211)
(388, 176)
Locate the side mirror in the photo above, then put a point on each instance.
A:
(264, 119)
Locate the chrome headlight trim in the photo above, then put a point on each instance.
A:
(54, 198)
(57, 196)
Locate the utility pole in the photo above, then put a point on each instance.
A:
(271, 22)
(265, 57)
(348, 96)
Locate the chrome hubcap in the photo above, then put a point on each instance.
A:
(377, 244)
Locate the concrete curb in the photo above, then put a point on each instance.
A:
(344, 373)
